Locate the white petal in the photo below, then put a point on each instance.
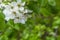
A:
(19, 1)
(13, 4)
(2, 5)
(7, 7)
(23, 4)
(6, 12)
(19, 21)
(7, 18)
(22, 21)
(16, 20)
(27, 11)
(21, 9)
(14, 9)
(12, 16)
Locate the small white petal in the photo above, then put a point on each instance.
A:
(13, 4)
(22, 21)
(6, 12)
(19, 1)
(2, 5)
(7, 7)
(12, 16)
(21, 9)
(27, 11)
(23, 4)
(16, 20)
(16, 8)
(7, 18)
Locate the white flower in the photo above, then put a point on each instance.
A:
(7, 18)
(20, 18)
(15, 11)
(20, 2)
(27, 11)
(18, 5)
(21, 9)
(2, 5)
(8, 14)
(13, 4)
(19, 21)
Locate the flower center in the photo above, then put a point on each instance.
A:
(14, 13)
(18, 5)
(12, 7)
(17, 17)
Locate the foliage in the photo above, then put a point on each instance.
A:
(43, 25)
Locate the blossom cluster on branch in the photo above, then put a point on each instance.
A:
(16, 11)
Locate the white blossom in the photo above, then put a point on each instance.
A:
(15, 11)
(2, 5)
(8, 14)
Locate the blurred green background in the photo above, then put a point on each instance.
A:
(43, 25)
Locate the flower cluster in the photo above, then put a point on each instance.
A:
(16, 11)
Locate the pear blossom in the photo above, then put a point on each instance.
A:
(27, 11)
(2, 6)
(16, 11)
(8, 14)
(20, 20)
